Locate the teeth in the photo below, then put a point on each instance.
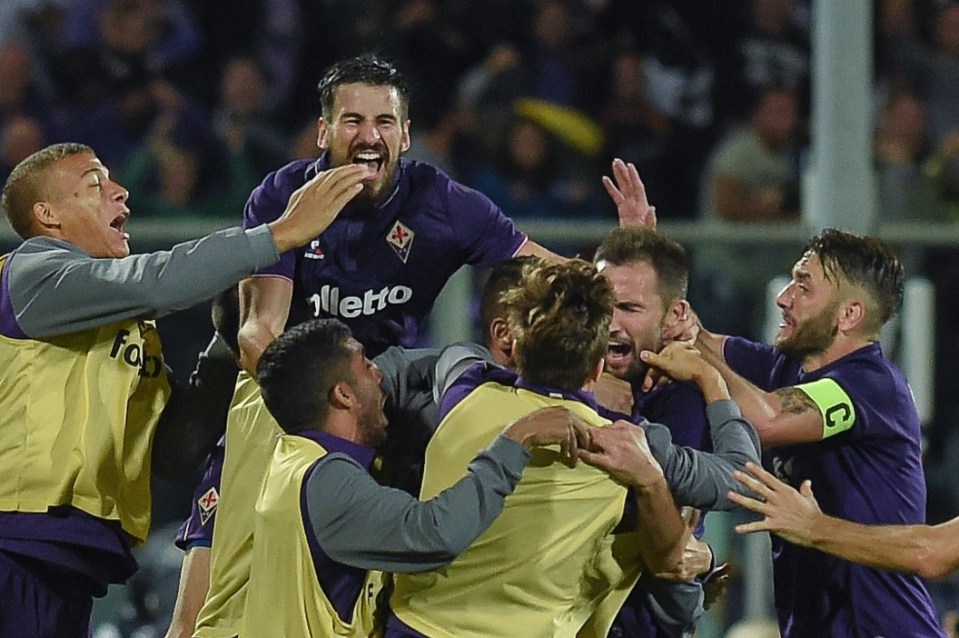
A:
(368, 157)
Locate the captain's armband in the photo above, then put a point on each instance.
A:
(835, 406)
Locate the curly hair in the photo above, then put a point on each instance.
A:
(560, 316)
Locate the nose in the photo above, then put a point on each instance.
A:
(785, 296)
(368, 132)
(120, 193)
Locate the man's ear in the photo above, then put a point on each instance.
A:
(597, 371)
(500, 335)
(405, 139)
(851, 314)
(342, 396)
(44, 216)
(322, 134)
(676, 312)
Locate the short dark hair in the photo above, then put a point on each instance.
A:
(504, 276)
(626, 246)
(27, 185)
(560, 316)
(225, 313)
(364, 69)
(866, 262)
(299, 369)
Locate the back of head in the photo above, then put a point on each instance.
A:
(560, 317)
(625, 246)
(225, 312)
(365, 69)
(299, 369)
(506, 275)
(863, 262)
(27, 185)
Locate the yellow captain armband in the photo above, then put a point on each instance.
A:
(835, 406)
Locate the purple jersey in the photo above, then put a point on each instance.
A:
(380, 270)
(869, 474)
(197, 530)
(681, 408)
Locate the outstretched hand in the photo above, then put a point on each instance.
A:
(788, 513)
(629, 195)
(552, 426)
(314, 206)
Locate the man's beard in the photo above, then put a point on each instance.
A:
(810, 337)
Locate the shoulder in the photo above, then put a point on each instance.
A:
(280, 184)
(445, 190)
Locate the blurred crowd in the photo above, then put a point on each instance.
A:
(527, 100)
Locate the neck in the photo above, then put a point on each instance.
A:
(837, 350)
(342, 424)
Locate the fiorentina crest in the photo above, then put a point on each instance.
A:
(207, 504)
(400, 239)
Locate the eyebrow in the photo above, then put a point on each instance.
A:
(100, 171)
(381, 116)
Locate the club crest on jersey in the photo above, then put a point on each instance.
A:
(400, 239)
(207, 504)
(314, 251)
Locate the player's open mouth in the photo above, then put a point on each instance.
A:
(118, 223)
(373, 159)
(618, 351)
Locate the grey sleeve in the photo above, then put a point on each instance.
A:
(453, 361)
(408, 379)
(57, 289)
(702, 479)
(360, 523)
(675, 607)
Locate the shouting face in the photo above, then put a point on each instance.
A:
(87, 207)
(367, 126)
(638, 318)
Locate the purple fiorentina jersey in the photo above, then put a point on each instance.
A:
(197, 530)
(380, 270)
(870, 474)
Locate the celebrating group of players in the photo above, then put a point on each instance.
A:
(554, 498)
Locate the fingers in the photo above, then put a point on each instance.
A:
(613, 192)
(751, 528)
(746, 502)
(596, 459)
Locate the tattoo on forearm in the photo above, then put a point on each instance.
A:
(795, 401)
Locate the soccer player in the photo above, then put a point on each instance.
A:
(650, 275)
(551, 564)
(380, 267)
(929, 551)
(836, 412)
(82, 374)
(322, 521)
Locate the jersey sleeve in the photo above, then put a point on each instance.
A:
(485, 234)
(751, 360)
(54, 288)
(197, 530)
(360, 523)
(266, 203)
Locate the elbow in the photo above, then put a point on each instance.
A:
(929, 565)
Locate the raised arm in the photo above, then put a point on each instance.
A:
(264, 308)
(785, 416)
(927, 551)
(57, 289)
(702, 479)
